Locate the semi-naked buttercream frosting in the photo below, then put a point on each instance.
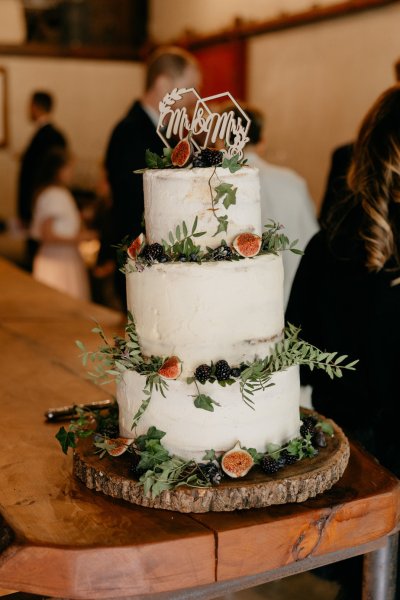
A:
(203, 312)
(191, 431)
(228, 310)
(174, 196)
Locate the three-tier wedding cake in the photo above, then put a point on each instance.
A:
(207, 372)
(204, 312)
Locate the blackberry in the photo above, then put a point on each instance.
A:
(199, 162)
(287, 458)
(152, 252)
(222, 370)
(211, 157)
(193, 257)
(308, 426)
(318, 439)
(269, 465)
(182, 258)
(235, 372)
(211, 472)
(203, 373)
(133, 466)
(222, 253)
(110, 430)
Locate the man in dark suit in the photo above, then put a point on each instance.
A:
(45, 139)
(167, 69)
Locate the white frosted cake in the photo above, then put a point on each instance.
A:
(205, 311)
(207, 372)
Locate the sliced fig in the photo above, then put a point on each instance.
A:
(135, 247)
(237, 462)
(247, 244)
(171, 369)
(118, 446)
(182, 153)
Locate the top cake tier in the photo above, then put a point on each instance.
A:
(175, 195)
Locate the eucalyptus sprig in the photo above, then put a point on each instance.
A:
(180, 242)
(257, 375)
(153, 382)
(110, 361)
(274, 242)
(290, 351)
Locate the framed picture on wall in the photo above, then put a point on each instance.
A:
(3, 107)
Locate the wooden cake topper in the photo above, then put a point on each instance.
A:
(204, 126)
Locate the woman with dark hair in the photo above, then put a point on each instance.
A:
(56, 225)
(346, 293)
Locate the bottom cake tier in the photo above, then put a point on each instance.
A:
(191, 431)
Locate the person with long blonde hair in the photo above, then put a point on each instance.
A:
(346, 293)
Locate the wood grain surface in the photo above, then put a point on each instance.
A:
(58, 538)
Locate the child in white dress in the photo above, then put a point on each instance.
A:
(56, 225)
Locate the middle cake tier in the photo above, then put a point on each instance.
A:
(230, 310)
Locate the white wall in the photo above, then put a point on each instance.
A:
(91, 96)
(316, 83)
(170, 18)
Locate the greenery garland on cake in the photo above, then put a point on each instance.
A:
(112, 359)
(181, 247)
(151, 464)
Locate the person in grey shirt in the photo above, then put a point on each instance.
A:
(284, 197)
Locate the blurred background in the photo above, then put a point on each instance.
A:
(314, 68)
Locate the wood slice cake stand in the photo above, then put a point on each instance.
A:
(295, 483)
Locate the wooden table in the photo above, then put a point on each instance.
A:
(57, 538)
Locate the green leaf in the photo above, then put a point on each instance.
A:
(209, 455)
(227, 193)
(326, 427)
(66, 439)
(222, 225)
(167, 152)
(256, 456)
(152, 434)
(80, 345)
(232, 164)
(153, 161)
(273, 448)
(205, 402)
